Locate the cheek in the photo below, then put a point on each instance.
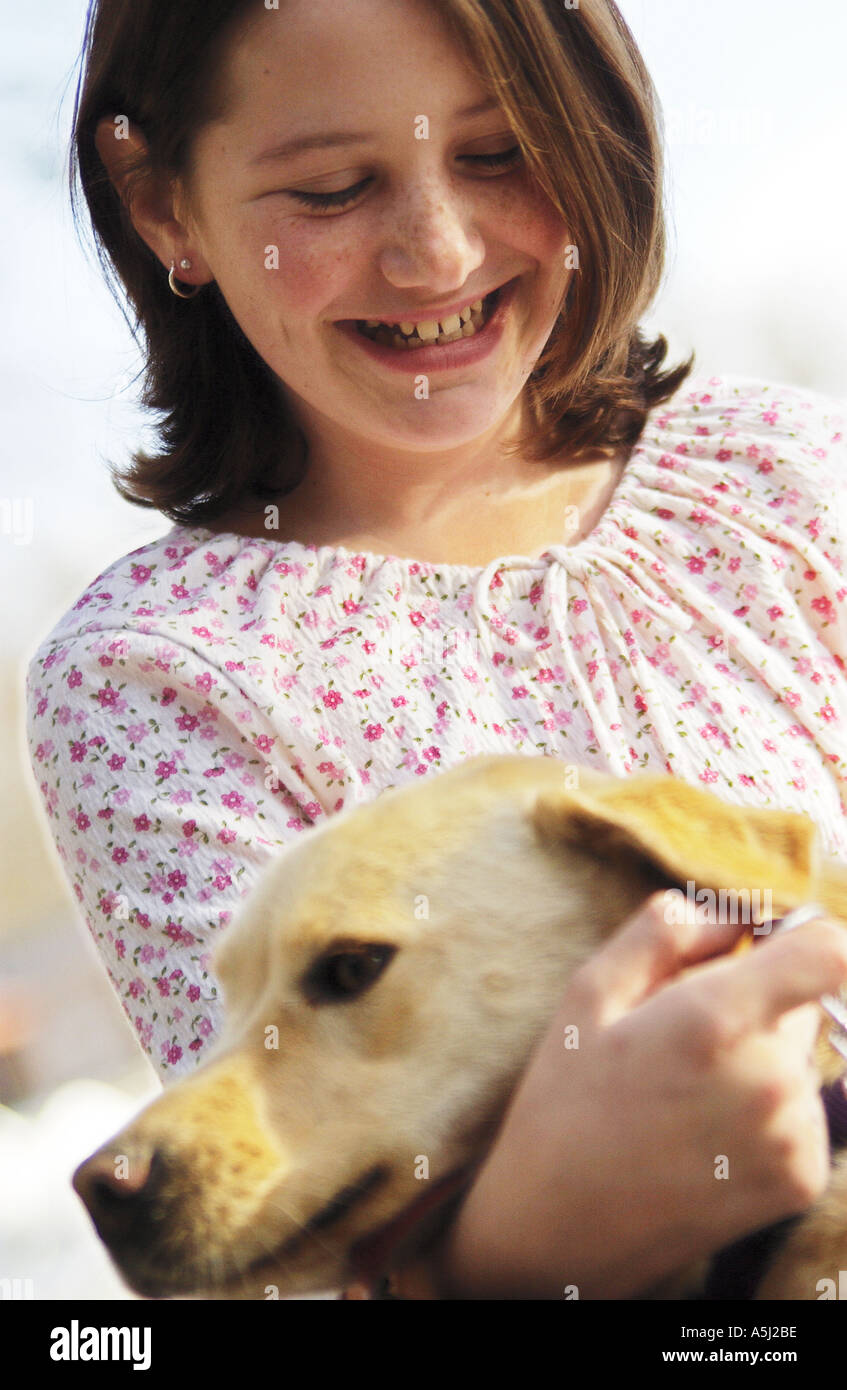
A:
(293, 267)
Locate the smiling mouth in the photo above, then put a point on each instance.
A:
(408, 336)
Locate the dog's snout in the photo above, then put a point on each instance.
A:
(119, 1189)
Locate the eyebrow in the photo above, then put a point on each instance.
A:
(330, 138)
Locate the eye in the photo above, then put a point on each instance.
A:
(342, 975)
(504, 159)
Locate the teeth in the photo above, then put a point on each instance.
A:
(450, 330)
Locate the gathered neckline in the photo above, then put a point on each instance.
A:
(374, 559)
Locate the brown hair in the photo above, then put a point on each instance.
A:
(584, 110)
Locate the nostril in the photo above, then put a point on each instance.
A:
(117, 1188)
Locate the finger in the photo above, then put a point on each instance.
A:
(759, 988)
(650, 949)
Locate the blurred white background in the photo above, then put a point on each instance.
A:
(756, 114)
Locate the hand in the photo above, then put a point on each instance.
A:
(604, 1174)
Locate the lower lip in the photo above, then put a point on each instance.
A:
(463, 353)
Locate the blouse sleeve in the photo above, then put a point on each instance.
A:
(167, 792)
(794, 443)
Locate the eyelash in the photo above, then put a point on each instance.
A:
(348, 195)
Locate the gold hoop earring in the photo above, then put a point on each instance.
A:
(172, 282)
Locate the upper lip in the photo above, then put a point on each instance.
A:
(433, 314)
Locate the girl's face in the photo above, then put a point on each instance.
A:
(400, 204)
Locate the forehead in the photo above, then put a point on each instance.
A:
(335, 60)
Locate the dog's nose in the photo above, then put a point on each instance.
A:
(119, 1189)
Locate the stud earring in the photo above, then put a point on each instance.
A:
(184, 264)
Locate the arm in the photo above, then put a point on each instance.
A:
(167, 791)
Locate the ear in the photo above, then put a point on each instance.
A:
(151, 198)
(688, 835)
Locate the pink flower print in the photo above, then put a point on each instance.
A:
(519, 692)
(374, 732)
(332, 699)
(140, 573)
(774, 612)
(708, 775)
(641, 704)
(431, 754)
(770, 417)
(398, 700)
(695, 564)
(173, 1052)
(665, 513)
(78, 751)
(827, 712)
(734, 564)
(108, 697)
(579, 605)
(166, 769)
(746, 780)
(74, 678)
(120, 855)
(824, 605)
(723, 456)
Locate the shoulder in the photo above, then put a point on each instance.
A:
(779, 450)
(188, 587)
(741, 417)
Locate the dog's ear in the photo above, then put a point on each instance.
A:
(686, 834)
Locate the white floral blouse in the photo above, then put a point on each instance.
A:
(209, 697)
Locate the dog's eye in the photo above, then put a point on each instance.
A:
(343, 975)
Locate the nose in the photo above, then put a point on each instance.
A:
(433, 244)
(120, 1190)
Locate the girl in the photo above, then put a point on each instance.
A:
(434, 496)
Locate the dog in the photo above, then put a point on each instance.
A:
(384, 987)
